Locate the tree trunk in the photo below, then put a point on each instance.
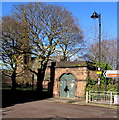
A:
(52, 75)
(39, 81)
(40, 78)
(13, 77)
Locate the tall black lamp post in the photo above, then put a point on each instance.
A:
(95, 16)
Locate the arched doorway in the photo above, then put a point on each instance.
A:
(67, 85)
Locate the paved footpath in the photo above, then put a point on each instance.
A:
(56, 108)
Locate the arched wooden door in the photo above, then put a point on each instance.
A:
(67, 86)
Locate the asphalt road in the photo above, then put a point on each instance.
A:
(48, 109)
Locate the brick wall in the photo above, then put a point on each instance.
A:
(80, 73)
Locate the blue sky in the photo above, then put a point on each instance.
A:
(83, 11)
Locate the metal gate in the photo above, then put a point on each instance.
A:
(67, 86)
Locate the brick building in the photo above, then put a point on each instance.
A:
(69, 78)
(63, 79)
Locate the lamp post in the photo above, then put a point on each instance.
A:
(95, 16)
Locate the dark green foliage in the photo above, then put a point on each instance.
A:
(106, 84)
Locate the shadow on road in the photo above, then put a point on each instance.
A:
(9, 98)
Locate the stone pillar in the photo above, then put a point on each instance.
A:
(52, 75)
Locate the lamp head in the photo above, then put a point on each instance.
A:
(95, 15)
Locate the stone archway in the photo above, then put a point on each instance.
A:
(67, 85)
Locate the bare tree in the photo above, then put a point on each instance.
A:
(108, 52)
(49, 27)
(11, 45)
(72, 42)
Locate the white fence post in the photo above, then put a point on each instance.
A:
(110, 98)
(89, 96)
(87, 100)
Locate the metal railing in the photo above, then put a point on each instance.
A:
(104, 97)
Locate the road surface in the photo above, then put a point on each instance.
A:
(48, 109)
